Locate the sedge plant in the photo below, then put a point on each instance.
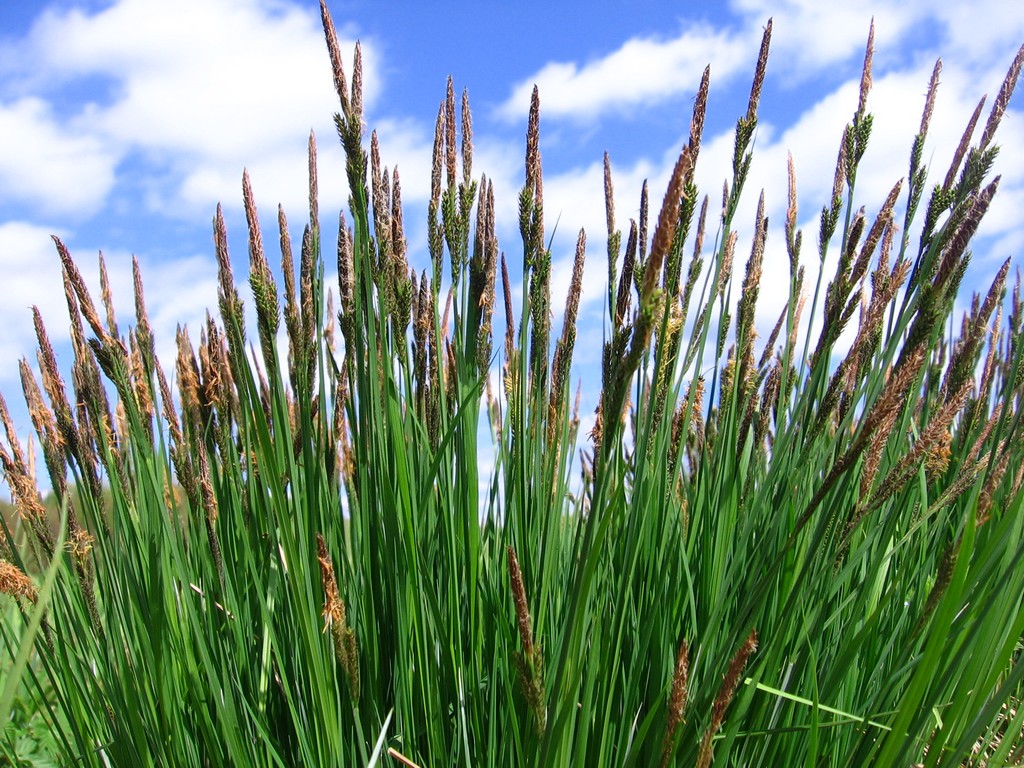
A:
(777, 552)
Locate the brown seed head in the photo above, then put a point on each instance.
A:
(724, 697)
(467, 140)
(15, 583)
(664, 233)
(449, 132)
(676, 700)
(1002, 99)
(314, 211)
(961, 150)
(334, 49)
(865, 75)
(522, 607)
(929, 101)
(700, 106)
(107, 298)
(759, 72)
(609, 196)
(357, 85)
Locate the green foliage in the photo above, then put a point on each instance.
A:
(304, 562)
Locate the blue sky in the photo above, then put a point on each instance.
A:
(123, 123)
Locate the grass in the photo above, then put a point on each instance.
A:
(782, 553)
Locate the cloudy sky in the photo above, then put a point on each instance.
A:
(124, 122)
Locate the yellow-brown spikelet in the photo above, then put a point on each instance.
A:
(988, 369)
(609, 197)
(725, 269)
(597, 431)
(346, 278)
(53, 385)
(929, 101)
(210, 388)
(676, 701)
(188, 383)
(942, 580)
(865, 75)
(724, 698)
(992, 483)
(700, 105)
(329, 324)
(882, 221)
(1002, 99)
(983, 435)
(873, 453)
(209, 501)
(467, 141)
(698, 243)
(140, 381)
(769, 403)
(306, 303)
(963, 358)
(523, 618)
(314, 204)
(19, 477)
(121, 420)
(957, 244)
(965, 478)
(79, 546)
(564, 346)
(533, 140)
(346, 650)
(759, 72)
(380, 197)
(71, 274)
(357, 87)
(665, 231)
(792, 243)
(14, 582)
(334, 50)
(839, 177)
(664, 235)
(291, 303)
(531, 663)
(398, 242)
(642, 223)
(892, 400)
(489, 246)
(622, 296)
(745, 330)
(227, 295)
(510, 321)
(935, 434)
(181, 456)
(399, 267)
(107, 298)
(449, 132)
(143, 331)
(961, 149)
(45, 423)
(451, 376)
(261, 280)
(936, 462)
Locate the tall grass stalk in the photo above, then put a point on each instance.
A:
(779, 553)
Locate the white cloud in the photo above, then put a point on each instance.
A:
(196, 89)
(641, 71)
(49, 167)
